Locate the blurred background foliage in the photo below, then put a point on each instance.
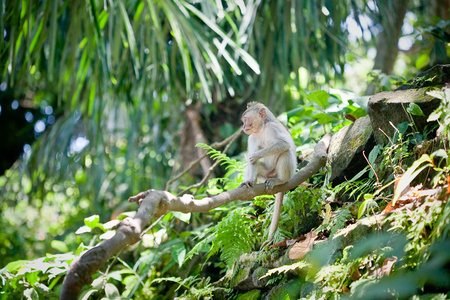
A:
(95, 95)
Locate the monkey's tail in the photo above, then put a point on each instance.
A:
(276, 215)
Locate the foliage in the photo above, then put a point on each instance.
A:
(233, 176)
(321, 112)
(232, 237)
(298, 215)
(36, 278)
(113, 79)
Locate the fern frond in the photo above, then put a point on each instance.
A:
(340, 220)
(214, 153)
(203, 246)
(234, 236)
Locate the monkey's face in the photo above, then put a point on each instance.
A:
(251, 122)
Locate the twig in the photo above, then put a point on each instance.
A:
(370, 165)
(229, 141)
(195, 162)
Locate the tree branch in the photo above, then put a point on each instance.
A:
(155, 203)
(228, 141)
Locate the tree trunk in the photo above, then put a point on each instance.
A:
(191, 135)
(391, 16)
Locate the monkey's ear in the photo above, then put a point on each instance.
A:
(263, 113)
(250, 104)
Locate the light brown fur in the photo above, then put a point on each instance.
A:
(271, 153)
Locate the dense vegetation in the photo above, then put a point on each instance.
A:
(94, 107)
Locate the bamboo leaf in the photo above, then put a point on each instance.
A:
(410, 174)
(131, 38)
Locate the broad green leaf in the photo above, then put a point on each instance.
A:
(294, 111)
(92, 221)
(182, 217)
(439, 153)
(33, 277)
(111, 291)
(15, 266)
(30, 293)
(60, 246)
(107, 235)
(87, 294)
(178, 252)
(363, 207)
(374, 153)
(324, 118)
(435, 115)
(320, 98)
(410, 174)
(83, 229)
(423, 61)
(415, 110)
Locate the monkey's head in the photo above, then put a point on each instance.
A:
(254, 117)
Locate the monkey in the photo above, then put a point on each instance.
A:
(271, 154)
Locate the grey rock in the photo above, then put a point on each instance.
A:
(391, 107)
(346, 147)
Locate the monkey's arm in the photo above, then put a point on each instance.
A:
(251, 170)
(276, 141)
(274, 149)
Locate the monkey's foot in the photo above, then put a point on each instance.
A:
(270, 183)
(248, 184)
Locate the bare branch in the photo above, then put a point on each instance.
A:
(157, 203)
(228, 141)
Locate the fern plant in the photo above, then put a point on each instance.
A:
(299, 212)
(233, 167)
(231, 237)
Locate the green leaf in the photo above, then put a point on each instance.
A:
(435, 115)
(363, 207)
(439, 153)
(324, 118)
(60, 246)
(294, 111)
(320, 98)
(182, 217)
(423, 61)
(374, 153)
(92, 221)
(31, 294)
(415, 110)
(83, 229)
(178, 252)
(15, 266)
(360, 173)
(111, 291)
(410, 174)
(33, 277)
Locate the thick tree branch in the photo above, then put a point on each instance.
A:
(155, 203)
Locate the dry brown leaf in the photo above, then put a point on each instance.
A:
(387, 265)
(356, 275)
(299, 250)
(285, 243)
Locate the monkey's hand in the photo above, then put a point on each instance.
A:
(254, 158)
(248, 184)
